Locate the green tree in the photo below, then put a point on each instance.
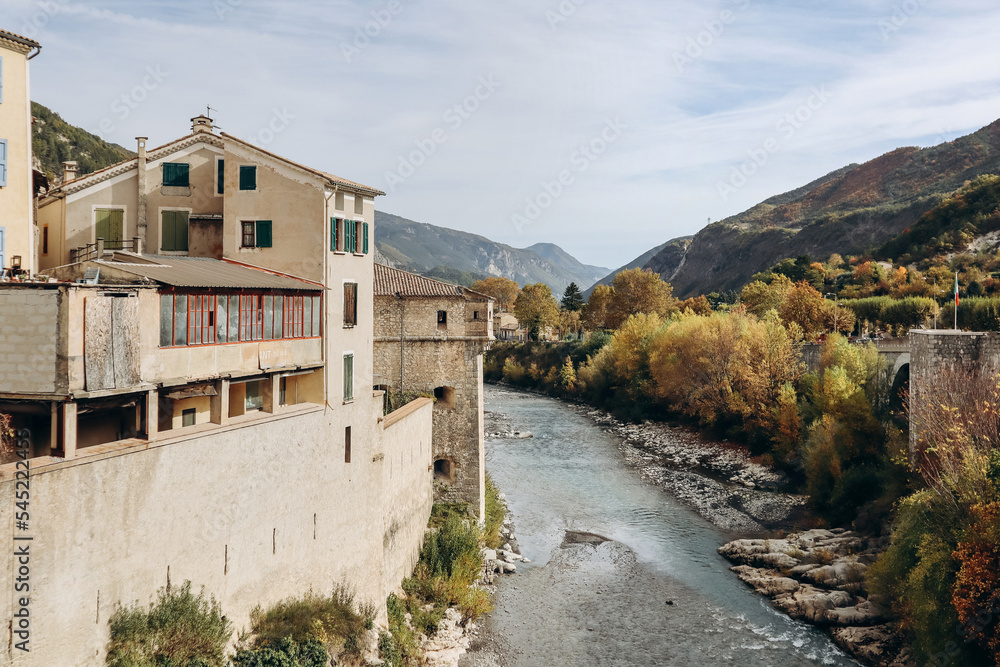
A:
(572, 298)
(536, 308)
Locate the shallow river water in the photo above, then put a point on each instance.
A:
(656, 593)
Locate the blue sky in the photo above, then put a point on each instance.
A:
(606, 128)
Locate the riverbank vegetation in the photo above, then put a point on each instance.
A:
(445, 576)
(737, 373)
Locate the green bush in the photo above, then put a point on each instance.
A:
(284, 653)
(496, 510)
(180, 629)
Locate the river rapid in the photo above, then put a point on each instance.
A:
(621, 573)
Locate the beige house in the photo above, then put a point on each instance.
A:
(17, 231)
(430, 338)
(192, 390)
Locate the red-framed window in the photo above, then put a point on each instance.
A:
(294, 316)
(201, 319)
(211, 319)
(251, 317)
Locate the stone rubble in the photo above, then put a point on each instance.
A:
(817, 576)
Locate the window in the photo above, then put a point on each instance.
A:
(174, 231)
(201, 320)
(176, 175)
(45, 240)
(255, 397)
(3, 162)
(220, 176)
(189, 416)
(1, 79)
(444, 397)
(350, 304)
(251, 317)
(475, 314)
(334, 237)
(109, 224)
(339, 203)
(294, 308)
(248, 177)
(359, 205)
(350, 236)
(249, 237)
(442, 319)
(348, 377)
(347, 444)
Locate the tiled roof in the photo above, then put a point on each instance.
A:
(205, 272)
(390, 281)
(13, 37)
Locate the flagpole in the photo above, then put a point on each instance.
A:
(956, 301)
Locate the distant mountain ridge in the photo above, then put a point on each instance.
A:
(852, 210)
(421, 247)
(55, 141)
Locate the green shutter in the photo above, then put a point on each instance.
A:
(348, 377)
(116, 226)
(263, 233)
(102, 224)
(333, 233)
(176, 174)
(352, 236)
(248, 177)
(167, 231)
(366, 238)
(174, 232)
(221, 188)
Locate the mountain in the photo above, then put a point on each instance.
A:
(560, 257)
(55, 141)
(849, 211)
(420, 247)
(672, 251)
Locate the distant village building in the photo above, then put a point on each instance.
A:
(506, 327)
(430, 338)
(17, 231)
(191, 384)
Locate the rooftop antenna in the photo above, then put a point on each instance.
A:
(208, 112)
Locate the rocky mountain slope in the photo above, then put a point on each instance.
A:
(420, 247)
(852, 210)
(668, 256)
(55, 141)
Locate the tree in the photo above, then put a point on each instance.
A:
(572, 298)
(806, 307)
(637, 291)
(595, 313)
(504, 290)
(535, 308)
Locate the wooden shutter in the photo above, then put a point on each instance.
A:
(3, 162)
(102, 223)
(350, 304)
(116, 224)
(333, 234)
(352, 239)
(263, 233)
(248, 177)
(167, 230)
(348, 377)
(366, 238)
(221, 185)
(175, 231)
(176, 174)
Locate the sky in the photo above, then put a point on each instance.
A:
(606, 128)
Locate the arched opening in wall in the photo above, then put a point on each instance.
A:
(444, 471)
(444, 397)
(899, 394)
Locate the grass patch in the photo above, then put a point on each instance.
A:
(180, 629)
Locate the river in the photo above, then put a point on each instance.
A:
(656, 593)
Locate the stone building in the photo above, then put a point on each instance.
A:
(203, 411)
(430, 338)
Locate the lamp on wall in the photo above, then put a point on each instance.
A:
(15, 262)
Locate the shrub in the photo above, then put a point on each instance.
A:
(496, 510)
(331, 621)
(284, 653)
(179, 630)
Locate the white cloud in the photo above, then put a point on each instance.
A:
(931, 76)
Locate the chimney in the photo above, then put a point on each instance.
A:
(201, 124)
(141, 208)
(69, 171)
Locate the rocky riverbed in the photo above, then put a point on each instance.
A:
(818, 577)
